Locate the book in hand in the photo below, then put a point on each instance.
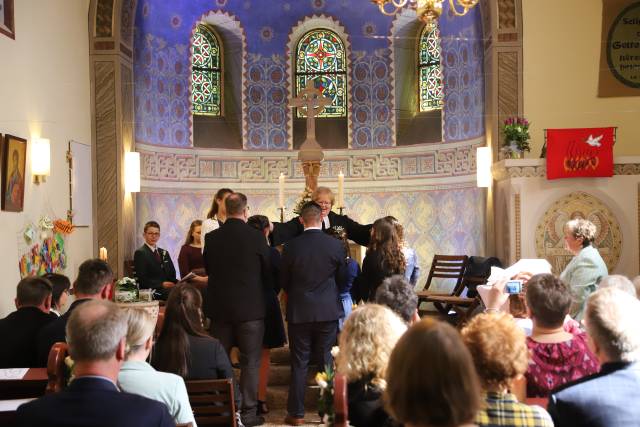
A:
(188, 277)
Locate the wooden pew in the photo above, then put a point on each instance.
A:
(212, 402)
(56, 369)
(340, 401)
(33, 384)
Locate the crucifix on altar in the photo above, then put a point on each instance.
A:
(312, 102)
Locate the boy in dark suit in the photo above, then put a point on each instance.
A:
(313, 272)
(154, 268)
(96, 334)
(19, 329)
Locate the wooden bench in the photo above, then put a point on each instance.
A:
(340, 401)
(33, 384)
(212, 402)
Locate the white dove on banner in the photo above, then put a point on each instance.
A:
(594, 142)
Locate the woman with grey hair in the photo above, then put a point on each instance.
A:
(586, 268)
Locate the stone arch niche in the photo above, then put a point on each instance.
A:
(302, 27)
(231, 126)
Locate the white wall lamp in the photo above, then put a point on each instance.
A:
(483, 167)
(40, 159)
(132, 172)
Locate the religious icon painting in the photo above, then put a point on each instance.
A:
(7, 25)
(14, 156)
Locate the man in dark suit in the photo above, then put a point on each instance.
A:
(19, 329)
(154, 268)
(237, 260)
(96, 334)
(313, 273)
(609, 398)
(323, 196)
(94, 281)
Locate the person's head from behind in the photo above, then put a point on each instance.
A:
(218, 208)
(96, 333)
(151, 233)
(95, 280)
(194, 235)
(396, 224)
(260, 223)
(236, 206)
(34, 291)
(311, 215)
(548, 300)
(498, 347)
(324, 197)
(618, 281)
(61, 285)
(398, 294)
(140, 328)
(431, 380)
(182, 317)
(612, 317)
(340, 234)
(384, 239)
(366, 341)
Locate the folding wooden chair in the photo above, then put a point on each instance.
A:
(212, 402)
(444, 267)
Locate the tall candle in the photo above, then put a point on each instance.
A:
(281, 190)
(103, 254)
(341, 190)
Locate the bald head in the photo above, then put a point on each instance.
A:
(94, 331)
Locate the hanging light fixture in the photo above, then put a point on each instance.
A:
(428, 11)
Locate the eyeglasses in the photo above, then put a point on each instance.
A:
(154, 233)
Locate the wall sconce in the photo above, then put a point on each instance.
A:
(40, 159)
(132, 172)
(483, 167)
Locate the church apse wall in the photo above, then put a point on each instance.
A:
(429, 187)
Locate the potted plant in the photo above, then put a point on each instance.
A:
(516, 137)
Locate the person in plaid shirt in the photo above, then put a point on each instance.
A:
(499, 352)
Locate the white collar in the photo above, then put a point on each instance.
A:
(153, 248)
(327, 225)
(312, 228)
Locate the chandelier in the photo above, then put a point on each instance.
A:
(428, 11)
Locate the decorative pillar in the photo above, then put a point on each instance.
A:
(112, 123)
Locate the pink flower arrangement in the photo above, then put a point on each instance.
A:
(516, 133)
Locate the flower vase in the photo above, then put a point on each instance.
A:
(514, 151)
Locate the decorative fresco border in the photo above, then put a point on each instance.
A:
(400, 163)
(536, 168)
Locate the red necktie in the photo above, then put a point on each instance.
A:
(157, 255)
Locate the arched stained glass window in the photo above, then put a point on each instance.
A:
(429, 70)
(206, 73)
(321, 57)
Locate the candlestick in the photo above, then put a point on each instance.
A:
(281, 214)
(340, 190)
(281, 190)
(103, 254)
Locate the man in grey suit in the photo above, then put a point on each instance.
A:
(609, 398)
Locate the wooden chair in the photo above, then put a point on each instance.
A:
(159, 323)
(184, 425)
(444, 267)
(340, 401)
(212, 402)
(56, 369)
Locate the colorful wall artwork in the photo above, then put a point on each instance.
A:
(44, 257)
(13, 173)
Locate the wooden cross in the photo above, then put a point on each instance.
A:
(312, 99)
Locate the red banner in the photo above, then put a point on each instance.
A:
(574, 153)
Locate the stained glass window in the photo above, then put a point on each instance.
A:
(206, 93)
(429, 70)
(321, 57)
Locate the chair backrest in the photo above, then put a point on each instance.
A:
(184, 425)
(340, 401)
(159, 323)
(56, 369)
(448, 267)
(212, 402)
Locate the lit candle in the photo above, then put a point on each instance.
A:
(341, 190)
(103, 254)
(281, 190)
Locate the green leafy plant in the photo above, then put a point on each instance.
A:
(516, 131)
(325, 401)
